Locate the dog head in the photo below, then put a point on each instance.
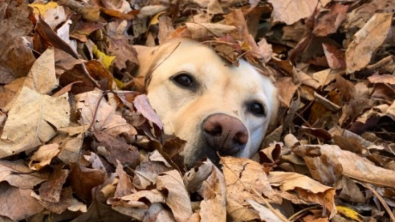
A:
(213, 105)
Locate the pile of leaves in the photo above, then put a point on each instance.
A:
(79, 141)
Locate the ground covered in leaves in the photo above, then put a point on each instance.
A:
(79, 141)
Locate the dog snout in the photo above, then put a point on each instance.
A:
(225, 133)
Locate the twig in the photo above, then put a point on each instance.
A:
(382, 201)
(278, 214)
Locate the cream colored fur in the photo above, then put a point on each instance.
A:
(223, 88)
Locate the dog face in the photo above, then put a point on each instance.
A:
(216, 107)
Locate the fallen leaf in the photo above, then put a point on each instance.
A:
(14, 47)
(50, 190)
(29, 124)
(386, 78)
(329, 20)
(115, 149)
(334, 56)
(202, 30)
(286, 90)
(142, 105)
(360, 168)
(213, 191)
(243, 179)
(305, 188)
(265, 214)
(18, 204)
(94, 108)
(52, 13)
(266, 50)
(64, 202)
(176, 196)
(291, 11)
(106, 60)
(147, 172)
(158, 213)
(366, 41)
(349, 213)
(125, 54)
(43, 156)
(98, 211)
(83, 179)
(124, 185)
(18, 174)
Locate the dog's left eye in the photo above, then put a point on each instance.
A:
(257, 109)
(184, 80)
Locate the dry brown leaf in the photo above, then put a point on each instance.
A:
(213, 191)
(239, 212)
(33, 120)
(177, 197)
(138, 199)
(18, 204)
(265, 214)
(366, 41)
(50, 190)
(105, 120)
(17, 174)
(124, 185)
(8, 92)
(360, 168)
(358, 17)
(165, 28)
(14, 46)
(266, 50)
(147, 172)
(115, 149)
(125, 54)
(203, 30)
(76, 206)
(98, 211)
(194, 178)
(307, 80)
(286, 90)
(58, 207)
(305, 188)
(330, 20)
(243, 177)
(83, 179)
(334, 56)
(291, 11)
(142, 105)
(386, 78)
(70, 148)
(158, 213)
(43, 156)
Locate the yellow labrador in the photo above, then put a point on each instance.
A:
(213, 105)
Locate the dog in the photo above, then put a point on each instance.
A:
(218, 108)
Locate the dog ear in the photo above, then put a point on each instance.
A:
(145, 56)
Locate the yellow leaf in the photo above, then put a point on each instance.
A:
(40, 8)
(119, 83)
(348, 212)
(155, 19)
(106, 60)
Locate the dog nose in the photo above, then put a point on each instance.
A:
(225, 133)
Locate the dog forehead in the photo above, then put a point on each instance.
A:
(187, 55)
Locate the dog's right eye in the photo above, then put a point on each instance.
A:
(183, 80)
